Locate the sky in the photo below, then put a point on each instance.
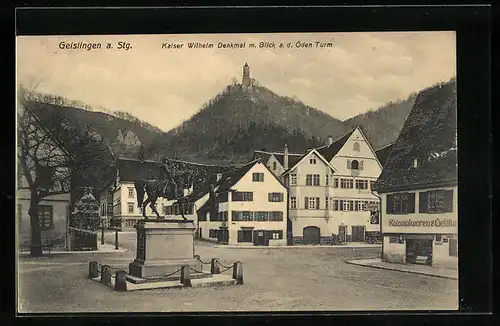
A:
(164, 87)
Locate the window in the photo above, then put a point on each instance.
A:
(346, 205)
(242, 196)
(415, 163)
(46, 217)
(439, 239)
(258, 177)
(336, 182)
(312, 160)
(312, 180)
(362, 184)
(371, 184)
(436, 201)
(327, 179)
(277, 235)
(245, 235)
(276, 216)
(261, 216)
(118, 207)
(335, 205)
(293, 179)
(293, 203)
(130, 208)
(131, 192)
(309, 180)
(326, 202)
(246, 216)
(275, 196)
(346, 183)
(401, 203)
(274, 165)
(355, 146)
(316, 179)
(393, 239)
(311, 202)
(354, 165)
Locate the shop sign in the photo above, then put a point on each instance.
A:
(419, 223)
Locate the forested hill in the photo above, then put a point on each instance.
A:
(382, 126)
(238, 120)
(124, 133)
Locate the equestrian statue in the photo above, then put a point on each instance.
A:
(169, 185)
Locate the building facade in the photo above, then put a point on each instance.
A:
(330, 192)
(419, 184)
(251, 210)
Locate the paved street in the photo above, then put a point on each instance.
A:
(275, 279)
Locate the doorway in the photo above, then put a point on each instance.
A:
(418, 251)
(342, 233)
(223, 235)
(358, 233)
(312, 235)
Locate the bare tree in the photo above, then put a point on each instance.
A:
(55, 157)
(45, 166)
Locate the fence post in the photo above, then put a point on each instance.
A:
(185, 277)
(105, 275)
(93, 271)
(116, 238)
(238, 272)
(121, 281)
(214, 266)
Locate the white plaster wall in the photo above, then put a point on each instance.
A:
(371, 165)
(394, 252)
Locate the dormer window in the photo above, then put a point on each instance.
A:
(415, 163)
(274, 165)
(355, 147)
(312, 160)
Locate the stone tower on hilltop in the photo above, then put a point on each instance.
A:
(246, 76)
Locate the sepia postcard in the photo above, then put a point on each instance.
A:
(237, 172)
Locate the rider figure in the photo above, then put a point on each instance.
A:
(167, 175)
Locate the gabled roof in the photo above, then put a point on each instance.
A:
(383, 153)
(231, 178)
(428, 135)
(293, 158)
(304, 156)
(329, 151)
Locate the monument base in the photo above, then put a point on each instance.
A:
(162, 269)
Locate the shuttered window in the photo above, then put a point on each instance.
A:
(401, 203)
(275, 196)
(436, 201)
(242, 196)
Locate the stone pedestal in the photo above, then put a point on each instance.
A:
(163, 248)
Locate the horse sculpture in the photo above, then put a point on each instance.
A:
(154, 190)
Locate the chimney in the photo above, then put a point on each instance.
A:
(218, 177)
(285, 158)
(330, 140)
